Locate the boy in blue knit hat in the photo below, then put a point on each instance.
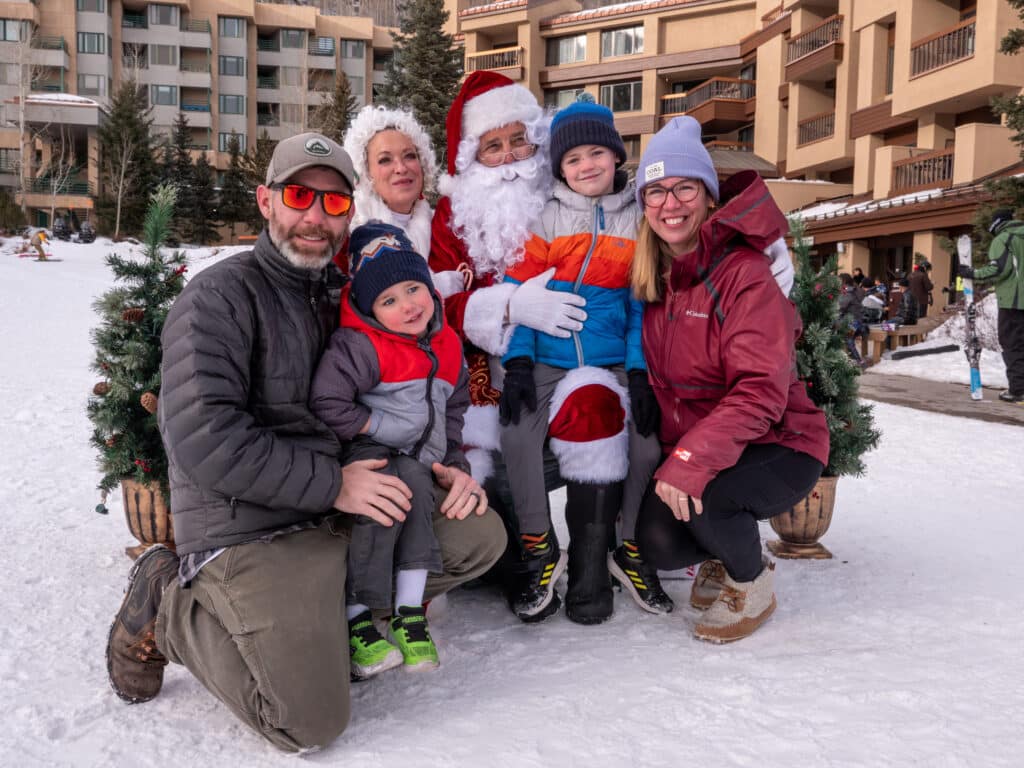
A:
(587, 232)
(393, 385)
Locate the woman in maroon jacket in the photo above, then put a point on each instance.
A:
(741, 438)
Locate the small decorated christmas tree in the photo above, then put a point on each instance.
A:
(823, 365)
(128, 351)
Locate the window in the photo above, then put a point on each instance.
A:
(92, 42)
(232, 65)
(163, 55)
(353, 49)
(163, 94)
(223, 139)
(11, 29)
(622, 97)
(622, 42)
(163, 15)
(632, 145)
(96, 6)
(322, 46)
(890, 58)
(357, 87)
(232, 105)
(10, 159)
(566, 50)
(290, 75)
(381, 61)
(291, 113)
(561, 99)
(92, 85)
(292, 38)
(229, 26)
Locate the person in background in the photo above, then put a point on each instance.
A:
(906, 312)
(921, 287)
(741, 438)
(1006, 270)
(851, 312)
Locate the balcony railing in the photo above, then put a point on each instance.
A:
(269, 83)
(265, 119)
(9, 165)
(716, 88)
(193, 105)
(134, 21)
(816, 128)
(190, 66)
(934, 169)
(50, 186)
(51, 87)
(49, 43)
(134, 62)
(828, 31)
(942, 48)
(322, 47)
(733, 146)
(195, 25)
(499, 58)
(263, 44)
(772, 15)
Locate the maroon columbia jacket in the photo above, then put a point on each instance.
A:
(720, 347)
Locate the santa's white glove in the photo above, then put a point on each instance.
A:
(556, 313)
(782, 265)
(448, 283)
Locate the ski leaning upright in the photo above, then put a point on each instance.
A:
(972, 347)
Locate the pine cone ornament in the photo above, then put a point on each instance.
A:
(101, 388)
(149, 401)
(111, 441)
(133, 315)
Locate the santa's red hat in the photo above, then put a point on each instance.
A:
(587, 426)
(487, 101)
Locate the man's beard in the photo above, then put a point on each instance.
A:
(301, 258)
(494, 210)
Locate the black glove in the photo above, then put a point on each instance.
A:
(966, 272)
(518, 390)
(646, 413)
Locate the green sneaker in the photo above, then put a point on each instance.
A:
(371, 653)
(411, 634)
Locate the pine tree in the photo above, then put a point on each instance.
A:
(128, 169)
(235, 197)
(254, 169)
(181, 174)
(11, 215)
(423, 75)
(202, 213)
(333, 115)
(128, 351)
(823, 365)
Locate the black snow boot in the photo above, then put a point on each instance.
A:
(590, 513)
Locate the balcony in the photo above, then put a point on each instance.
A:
(942, 49)
(720, 105)
(134, 21)
(816, 128)
(926, 171)
(195, 105)
(323, 46)
(50, 51)
(267, 83)
(268, 44)
(266, 119)
(52, 186)
(505, 61)
(813, 55)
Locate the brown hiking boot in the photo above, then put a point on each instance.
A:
(135, 665)
(740, 608)
(707, 584)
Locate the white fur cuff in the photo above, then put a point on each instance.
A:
(484, 318)
(480, 427)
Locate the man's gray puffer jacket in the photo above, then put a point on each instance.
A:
(246, 455)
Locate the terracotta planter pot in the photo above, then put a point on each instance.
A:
(800, 528)
(148, 517)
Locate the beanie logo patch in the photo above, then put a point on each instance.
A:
(655, 171)
(377, 246)
(317, 148)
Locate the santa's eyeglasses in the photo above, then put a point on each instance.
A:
(301, 198)
(493, 156)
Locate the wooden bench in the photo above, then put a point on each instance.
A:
(904, 335)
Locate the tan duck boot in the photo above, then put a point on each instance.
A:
(707, 584)
(740, 608)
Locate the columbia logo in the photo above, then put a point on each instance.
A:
(692, 313)
(317, 147)
(682, 454)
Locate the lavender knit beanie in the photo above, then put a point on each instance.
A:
(676, 150)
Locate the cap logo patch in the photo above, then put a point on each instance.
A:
(655, 171)
(377, 246)
(317, 148)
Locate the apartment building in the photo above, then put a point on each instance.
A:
(878, 108)
(228, 65)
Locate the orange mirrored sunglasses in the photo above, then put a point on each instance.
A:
(300, 198)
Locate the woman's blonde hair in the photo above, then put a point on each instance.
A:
(646, 274)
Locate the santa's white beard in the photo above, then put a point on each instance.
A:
(494, 210)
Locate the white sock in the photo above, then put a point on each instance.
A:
(409, 588)
(353, 610)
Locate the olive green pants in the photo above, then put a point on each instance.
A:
(263, 625)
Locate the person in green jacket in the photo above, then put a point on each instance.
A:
(1006, 269)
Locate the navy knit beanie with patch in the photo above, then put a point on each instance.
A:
(583, 122)
(381, 256)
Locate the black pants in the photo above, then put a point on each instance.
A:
(376, 551)
(767, 480)
(1011, 339)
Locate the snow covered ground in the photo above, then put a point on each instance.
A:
(898, 652)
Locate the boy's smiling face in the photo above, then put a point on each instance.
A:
(589, 169)
(405, 307)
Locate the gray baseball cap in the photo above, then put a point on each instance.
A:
(308, 150)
